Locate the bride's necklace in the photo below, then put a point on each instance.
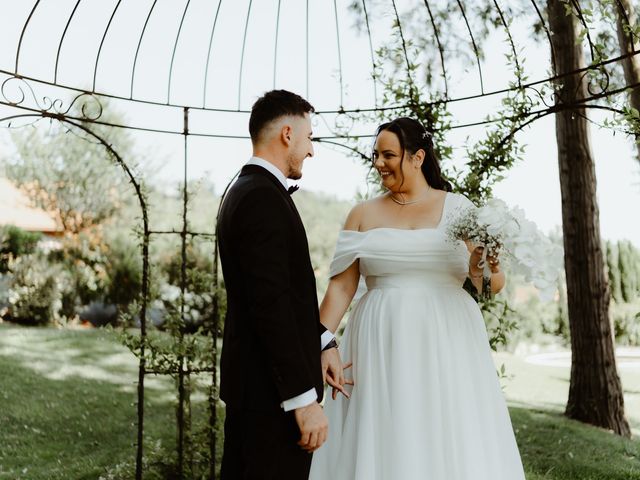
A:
(400, 202)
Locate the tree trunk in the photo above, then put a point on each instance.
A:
(626, 17)
(595, 392)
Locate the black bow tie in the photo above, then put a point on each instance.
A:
(292, 189)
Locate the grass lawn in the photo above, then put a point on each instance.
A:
(68, 405)
(67, 412)
(556, 448)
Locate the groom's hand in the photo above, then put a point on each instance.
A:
(313, 426)
(333, 371)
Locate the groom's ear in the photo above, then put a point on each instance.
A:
(285, 134)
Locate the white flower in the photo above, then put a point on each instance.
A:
(169, 293)
(531, 253)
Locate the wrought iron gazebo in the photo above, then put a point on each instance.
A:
(193, 61)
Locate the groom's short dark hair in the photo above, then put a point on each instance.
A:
(273, 105)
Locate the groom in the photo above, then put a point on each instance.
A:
(271, 374)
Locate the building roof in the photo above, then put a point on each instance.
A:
(15, 209)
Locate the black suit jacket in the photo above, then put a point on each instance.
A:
(271, 350)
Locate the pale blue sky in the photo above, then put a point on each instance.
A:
(533, 184)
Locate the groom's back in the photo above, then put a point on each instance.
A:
(255, 210)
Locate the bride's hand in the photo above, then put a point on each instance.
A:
(476, 256)
(494, 263)
(333, 371)
(335, 389)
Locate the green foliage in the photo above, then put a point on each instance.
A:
(323, 218)
(626, 322)
(36, 291)
(629, 265)
(613, 268)
(50, 287)
(83, 257)
(124, 271)
(15, 242)
(70, 174)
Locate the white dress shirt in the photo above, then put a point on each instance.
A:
(310, 396)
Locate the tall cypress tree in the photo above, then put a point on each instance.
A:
(613, 265)
(628, 274)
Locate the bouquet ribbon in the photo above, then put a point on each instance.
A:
(483, 262)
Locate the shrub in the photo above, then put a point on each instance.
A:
(626, 322)
(36, 289)
(124, 272)
(15, 242)
(199, 284)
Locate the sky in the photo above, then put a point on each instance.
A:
(532, 184)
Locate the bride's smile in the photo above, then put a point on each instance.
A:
(399, 169)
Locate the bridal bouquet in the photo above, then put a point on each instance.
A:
(507, 232)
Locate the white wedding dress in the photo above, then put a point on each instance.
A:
(427, 403)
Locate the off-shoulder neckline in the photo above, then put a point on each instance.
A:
(442, 215)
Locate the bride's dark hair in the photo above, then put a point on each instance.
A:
(413, 137)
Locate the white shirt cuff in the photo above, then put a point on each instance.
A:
(302, 400)
(325, 339)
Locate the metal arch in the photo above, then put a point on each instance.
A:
(24, 29)
(275, 47)
(380, 109)
(183, 287)
(168, 103)
(104, 36)
(406, 55)
(206, 69)
(348, 147)
(440, 49)
(64, 34)
(306, 44)
(511, 42)
(586, 28)
(556, 109)
(373, 58)
(145, 289)
(546, 29)
(353, 110)
(135, 58)
(145, 264)
(175, 47)
(335, 11)
(244, 44)
(473, 42)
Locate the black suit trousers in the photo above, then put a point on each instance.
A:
(260, 445)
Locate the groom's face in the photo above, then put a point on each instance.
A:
(300, 146)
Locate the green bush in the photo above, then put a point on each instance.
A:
(626, 322)
(124, 272)
(36, 290)
(629, 266)
(199, 284)
(15, 242)
(613, 269)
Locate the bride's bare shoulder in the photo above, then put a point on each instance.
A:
(359, 212)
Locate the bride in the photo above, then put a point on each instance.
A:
(426, 403)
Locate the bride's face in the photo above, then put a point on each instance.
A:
(387, 160)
